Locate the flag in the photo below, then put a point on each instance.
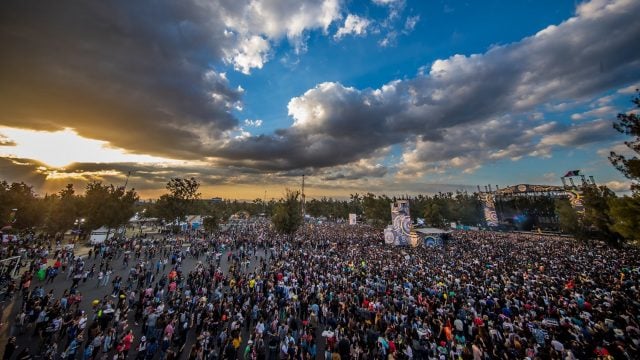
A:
(572, 173)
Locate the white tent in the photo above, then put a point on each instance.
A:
(98, 236)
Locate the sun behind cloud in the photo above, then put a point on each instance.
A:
(65, 147)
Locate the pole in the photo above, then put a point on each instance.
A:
(303, 198)
(584, 180)
(126, 181)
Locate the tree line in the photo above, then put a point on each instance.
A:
(21, 210)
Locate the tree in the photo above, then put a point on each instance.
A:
(63, 210)
(287, 216)
(595, 222)
(433, 213)
(625, 215)
(181, 199)
(629, 124)
(355, 205)
(210, 223)
(377, 209)
(107, 205)
(596, 217)
(19, 206)
(568, 218)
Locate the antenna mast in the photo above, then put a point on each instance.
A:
(126, 181)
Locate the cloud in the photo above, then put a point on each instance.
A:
(411, 23)
(251, 53)
(392, 26)
(602, 111)
(617, 147)
(253, 123)
(631, 89)
(275, 20)
(578, 135)
(618, 186)
(5, 141)
(389, 39)
(361, 169)
(387, 2)
(134, 74)
(463, 101)
(353, 25)
(466, 147)
(141, 75)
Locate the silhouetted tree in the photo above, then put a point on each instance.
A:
(287, 216)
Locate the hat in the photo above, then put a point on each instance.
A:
(143, 338)
(250, 342)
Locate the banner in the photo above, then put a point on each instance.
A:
(352, 219)
(575, 198)
(490, 215)
(399, 233)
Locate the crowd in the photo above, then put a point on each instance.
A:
(329, 292)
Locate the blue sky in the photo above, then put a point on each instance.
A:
(388, 96)
(443, 28)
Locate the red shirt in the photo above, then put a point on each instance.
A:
(127, 341)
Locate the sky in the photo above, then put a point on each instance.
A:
(384, 96)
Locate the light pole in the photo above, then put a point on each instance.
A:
(140, 219)
(77, 224)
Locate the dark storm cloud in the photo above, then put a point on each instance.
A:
(134, 73)
(21, 170)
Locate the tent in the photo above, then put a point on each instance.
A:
(98, 236)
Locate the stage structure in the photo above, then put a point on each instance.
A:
(511, 205)
(575, 192)
(489, 209)
(431, 237)
(399, 232)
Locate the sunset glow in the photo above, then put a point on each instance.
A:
(62, 148)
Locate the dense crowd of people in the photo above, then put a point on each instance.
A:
(329, 291)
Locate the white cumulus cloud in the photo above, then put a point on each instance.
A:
(353, 25)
